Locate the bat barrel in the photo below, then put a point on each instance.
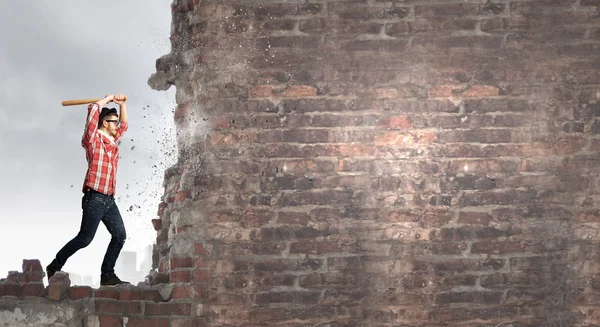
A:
(81, 101)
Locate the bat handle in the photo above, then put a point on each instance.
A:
(81, 101)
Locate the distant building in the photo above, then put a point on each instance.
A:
(146, 264)
(88, 280)
(76, 279)
(126, 267)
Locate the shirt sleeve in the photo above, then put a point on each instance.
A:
(123, 126)
(91, 126)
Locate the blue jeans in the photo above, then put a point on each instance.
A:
(96, 207)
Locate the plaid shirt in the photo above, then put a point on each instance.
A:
(102, 154)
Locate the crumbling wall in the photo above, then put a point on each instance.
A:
(26, 302)
(379, 163)
(354, 163)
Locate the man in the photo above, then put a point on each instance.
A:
(103, 129)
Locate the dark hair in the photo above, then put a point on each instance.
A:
(105, 113)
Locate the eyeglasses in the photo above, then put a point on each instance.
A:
(113, 121)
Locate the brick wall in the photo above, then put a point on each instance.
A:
(385, 163)
(382, 163)
(25, 301)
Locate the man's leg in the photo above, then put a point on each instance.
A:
(94, 207)
(114, 223)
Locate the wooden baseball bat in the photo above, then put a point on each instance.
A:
(81, 101)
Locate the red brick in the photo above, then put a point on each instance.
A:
(497, 247)
(203, 262)
(110, 321)
(14, 277)
(185, 6)
(261, 91)
(474, 218)
(296, 91)
(147, 322)
(157, 224)
(185, 292)
(10, 289)
(214, 11)
(32, 266)
(596, 282)
(163, 265)
(495, 198)
(592, 216)
(79, 292)
(569, 144)
(199, 249)
(34, 276)
(398, 122)
(168, 309)
(161, 208)
(59, 286)
(181, 263)
(121, 307)
(162, 237)
(293, 218)
(405, 139)
(160, 278)
(464, 91)
(33, 289)
(182, 195)
(179, 276)
(320, 247)
(232, 138)
(590, 3)
(187, 322)
(182, 110)
(152, 295)
(183, 229)
(288, 297)
(130, 295)
(489, 297)
(478, 166)
(479, 135)
(201, 275)
(107, 293)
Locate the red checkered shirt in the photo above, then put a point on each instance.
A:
(102, 154)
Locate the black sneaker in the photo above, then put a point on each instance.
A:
(113, 281)
(50, 272)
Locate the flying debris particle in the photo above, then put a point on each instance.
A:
(133, 147)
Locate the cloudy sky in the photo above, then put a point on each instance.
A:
(54, 51)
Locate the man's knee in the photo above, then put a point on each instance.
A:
(84, 241)
(120, 236)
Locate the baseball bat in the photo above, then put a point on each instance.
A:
(81, 101)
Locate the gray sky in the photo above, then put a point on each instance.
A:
(53, 51)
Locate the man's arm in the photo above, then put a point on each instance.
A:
(91, 122)
(123, 118)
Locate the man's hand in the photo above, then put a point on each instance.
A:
(107, 98)
(120, 99)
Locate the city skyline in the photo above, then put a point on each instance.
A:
(134, 273)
